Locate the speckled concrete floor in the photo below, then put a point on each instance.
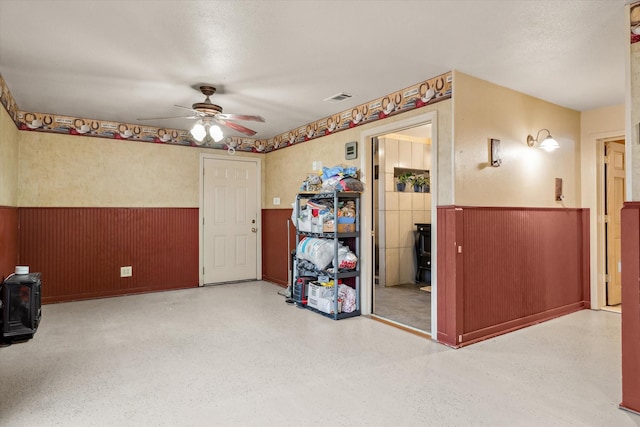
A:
(237, 355)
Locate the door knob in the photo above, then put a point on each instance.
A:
(254, 229)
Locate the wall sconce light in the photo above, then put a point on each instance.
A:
(547, 144)
(204, 127)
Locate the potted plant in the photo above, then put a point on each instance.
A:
(417, 181)
(403, 180)
(426, 186)
(420, 183)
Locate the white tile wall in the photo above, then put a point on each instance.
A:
(404, 154)
(393, 267)
(421, 217)
(392, 200)
(405, 201)
(400, 211)
(407, 270)
(405, 229)
(389, 181)
(391, 233)
(417, 202)
(417, 156)
(427, 201)
(390, 154)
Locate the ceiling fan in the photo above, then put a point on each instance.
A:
(208, 114)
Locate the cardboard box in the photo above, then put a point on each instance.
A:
(329, 227)
(346, 228)
(321, 298)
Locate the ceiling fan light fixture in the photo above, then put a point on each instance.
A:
(205, 130)
(199, 132)
(216, 133)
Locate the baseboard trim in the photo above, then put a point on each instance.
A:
(397, 325)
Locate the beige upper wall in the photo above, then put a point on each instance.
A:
(597, 125)
(80, 171)
(63, 170)
(285, 169)
(483, 110)
(605, 120)
(8, 160)
(59, 170)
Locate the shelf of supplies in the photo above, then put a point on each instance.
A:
(350, 239)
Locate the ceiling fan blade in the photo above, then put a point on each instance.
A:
(170, 117)
(240, 117)
(196, 112)
(235, 126)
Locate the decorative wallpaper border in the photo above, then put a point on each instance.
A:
(419, 95)
(7, 101)
(634, 24)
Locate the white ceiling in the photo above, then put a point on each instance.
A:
(124, 60)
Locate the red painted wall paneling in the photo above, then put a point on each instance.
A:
(79, 251)
(630, 216)
(8, 240)
(529, 260)
(450, 276)
(512, 267)
(275, 252)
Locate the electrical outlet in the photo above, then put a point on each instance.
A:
(126, 271)
(276, 201)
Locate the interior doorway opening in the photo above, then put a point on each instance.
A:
(402, 219)
(614, 196)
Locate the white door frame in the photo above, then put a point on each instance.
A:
(592, 197)
(366, 267)
(258, 163)
(598, 244)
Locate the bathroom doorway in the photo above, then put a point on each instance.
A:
(402, 218)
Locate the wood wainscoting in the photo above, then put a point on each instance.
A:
(630, 231)
(500, 269)
(275, 253)
(79, 251)
(8, 240)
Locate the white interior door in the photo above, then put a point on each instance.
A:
(229, 220)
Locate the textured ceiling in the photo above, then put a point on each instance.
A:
(124, 60)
